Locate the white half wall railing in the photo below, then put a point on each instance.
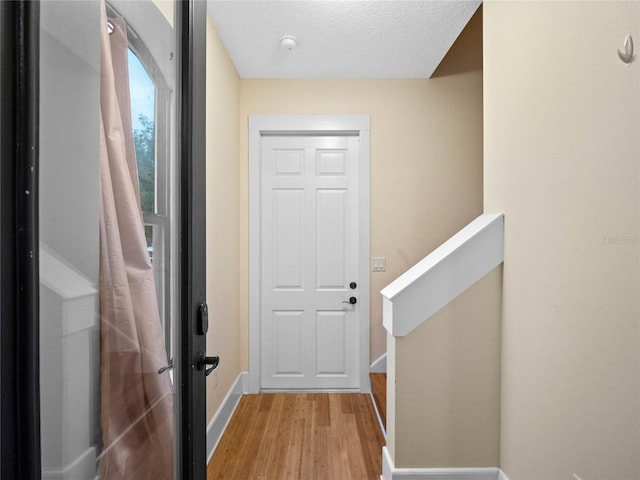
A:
(69, 377)
(444, 274)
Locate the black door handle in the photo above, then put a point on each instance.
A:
(352, 301)
(203, 361)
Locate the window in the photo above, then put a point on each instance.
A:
(143, 119)
(150, 109)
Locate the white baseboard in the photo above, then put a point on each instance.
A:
(390, 472)
(220, 420)
(379, 365)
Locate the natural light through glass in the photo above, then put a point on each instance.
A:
(143, 104)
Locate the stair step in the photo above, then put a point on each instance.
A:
(379, 391)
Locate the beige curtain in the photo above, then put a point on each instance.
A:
(136, 401)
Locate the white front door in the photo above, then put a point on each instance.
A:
(310, 332)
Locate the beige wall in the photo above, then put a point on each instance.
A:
(562, 143)
(426, 165)
(426, 175)
(446, 374)
(222, 220)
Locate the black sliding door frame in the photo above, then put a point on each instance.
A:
(20, 449)
(19, 298)
(192, 18)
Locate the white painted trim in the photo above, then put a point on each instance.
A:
(308, 124)
(390, 472)
(443, 274)
(260, 125)
(221, 419)
(502, 475)
(379, 365)
(254, 256)
(364, 185)
(375, 407)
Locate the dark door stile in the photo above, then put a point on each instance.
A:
(19, 298)
(193, 89)
(20, 448)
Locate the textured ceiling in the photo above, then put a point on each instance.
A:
(339, 39)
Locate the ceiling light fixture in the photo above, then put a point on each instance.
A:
(288, 42)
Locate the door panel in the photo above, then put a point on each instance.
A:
(331, 336)
(71, 435)
(310, 331)
(288, 341)
(288, 241)
(332, 238)
(70, 405)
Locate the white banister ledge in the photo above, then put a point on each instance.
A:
(443, 274)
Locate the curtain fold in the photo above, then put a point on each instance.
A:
(136, 401)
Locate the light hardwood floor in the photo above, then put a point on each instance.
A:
(307, 436)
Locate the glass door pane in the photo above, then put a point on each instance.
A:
(109, 265)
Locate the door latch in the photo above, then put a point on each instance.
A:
(202, 361)
(203, 318)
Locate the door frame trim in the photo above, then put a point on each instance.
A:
(260, 125)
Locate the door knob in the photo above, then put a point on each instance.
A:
(352, 301)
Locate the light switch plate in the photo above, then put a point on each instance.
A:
(378, 264)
